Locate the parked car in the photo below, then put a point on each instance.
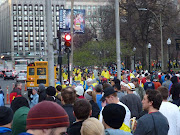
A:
(8, 75)
(21, 77)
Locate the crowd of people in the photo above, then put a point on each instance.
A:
(141, 103)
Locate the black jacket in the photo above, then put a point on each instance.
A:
(95, 109)
(75, 128)
(69, 109)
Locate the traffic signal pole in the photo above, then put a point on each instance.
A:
(50, 43)
(60, 56)
(72, 44)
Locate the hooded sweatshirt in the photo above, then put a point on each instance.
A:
(19, 120)
(111, 131)
(42, 92)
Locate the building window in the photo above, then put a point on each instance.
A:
(25, 7)
(36, 7)
(41, 12)
(41, 7)
(25, 23)
(14, 18)
(19, 7)
(25, 12)
(30, 13)
(19, 12)
(25, 18)
(15, 33)
(14, 12)
(30, 7)
(20, 23)
(57, 7)
(41, 18)
(30, 18)
(14, 7)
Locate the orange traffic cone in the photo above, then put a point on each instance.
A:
(7, 96)
(25, 86)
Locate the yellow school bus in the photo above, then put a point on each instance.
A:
(37, 73)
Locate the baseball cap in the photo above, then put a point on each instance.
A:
(130, 86)
(108, 91)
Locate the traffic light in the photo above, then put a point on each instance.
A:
(67, 43)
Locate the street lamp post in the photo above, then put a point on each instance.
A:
(149, 47)
(159, 20)
(169, 43)
(134, 50)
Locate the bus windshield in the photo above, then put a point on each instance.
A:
(22, 62)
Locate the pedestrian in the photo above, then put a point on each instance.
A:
(175, 90)
(167, 82)
(20, 107)
(171, 112)
(92, 126)
(6, 117)
(120, 93)
(148, 84)
(16, 92)
(35, 97)
(46, 118)
(156, 82)
(1, 97)
(58, 90)
(68, 97)
(82, 110)
(140, 90)
(98, 91)
(91, 97)
(113, 117)
(153, 123)
(110, 96)
(42, 92)
(50, 94)
(132, 101)
(79, 92)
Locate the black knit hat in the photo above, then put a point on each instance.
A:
(51, 91)
(113, 115)
(19, 102)
(6, 115)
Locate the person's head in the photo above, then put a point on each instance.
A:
(68, 95)
(89, 82)
(79, 91)
(106, 85)
(174, 79)
(89, 95)
(110, 96)
(148, 77)
(47, 118)
(92, 126)
(167, 77)
(152, 100)
(18, 85)
(58, 88)
(51, 91)
(98, 88)
(41, 88)
(135, 81)
(19, 102)
(82, 109)
(113, 116)
(112, 82)
(130, 87)
(6, 116)
(117, 87)
(34, 90)
(164, 92)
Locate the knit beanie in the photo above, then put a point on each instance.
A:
(6, 115)
(113, 115)
(46, 115)
(87, 96)
(19, 102)
(51, 91)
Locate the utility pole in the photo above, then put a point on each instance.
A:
(72, 43)
(118, 48)
(162, 48)
(50, 43)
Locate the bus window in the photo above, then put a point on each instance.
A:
(41, 71)
(31, 71)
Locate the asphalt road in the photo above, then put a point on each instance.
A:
(10, 83)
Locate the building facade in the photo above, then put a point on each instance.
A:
(23, 31)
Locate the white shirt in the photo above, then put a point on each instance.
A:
(127, 116)
(172, 113)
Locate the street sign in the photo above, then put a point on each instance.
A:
(177, 44)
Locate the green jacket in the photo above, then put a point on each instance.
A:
(19, 120)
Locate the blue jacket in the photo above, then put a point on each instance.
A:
(35, 100)
(1, 99)
(110, 131)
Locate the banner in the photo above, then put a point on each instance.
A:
(78, 20)
(177, 44)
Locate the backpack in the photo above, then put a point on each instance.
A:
(13, 95)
